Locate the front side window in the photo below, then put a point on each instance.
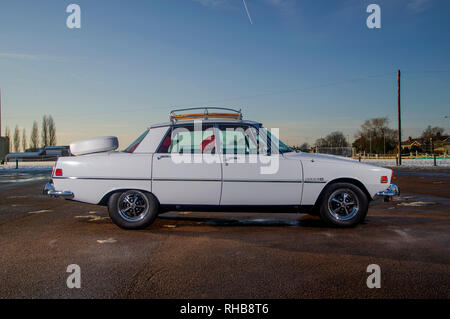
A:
(275, 141)
(240, 139)
(250, 140)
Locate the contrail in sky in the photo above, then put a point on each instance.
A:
(248, 13)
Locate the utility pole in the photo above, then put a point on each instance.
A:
(399, 143)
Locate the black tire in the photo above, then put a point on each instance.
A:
(133, 209)
(336, 206)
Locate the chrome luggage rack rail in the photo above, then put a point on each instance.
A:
(206, 114)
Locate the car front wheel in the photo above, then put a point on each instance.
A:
(133, 209)
(343, 205)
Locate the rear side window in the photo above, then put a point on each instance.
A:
(187, 140)
(135, 144)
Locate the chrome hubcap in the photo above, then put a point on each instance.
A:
(133, 206)
(343, 204)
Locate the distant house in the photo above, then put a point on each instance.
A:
(437, 144)
(413, 144)
(442, 146)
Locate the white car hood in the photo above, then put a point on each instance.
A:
(318, 157)
(325, 158)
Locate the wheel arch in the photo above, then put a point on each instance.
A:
(342, 180)
(105, 198)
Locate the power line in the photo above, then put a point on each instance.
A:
(235, 98)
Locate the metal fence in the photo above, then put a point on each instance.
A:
(340, 151)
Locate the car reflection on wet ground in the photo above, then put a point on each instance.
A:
(226, 255)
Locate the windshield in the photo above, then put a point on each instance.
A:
(135, 144)
(283, 148)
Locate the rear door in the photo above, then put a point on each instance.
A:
(184, 170)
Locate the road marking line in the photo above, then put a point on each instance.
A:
(107, 241)
(40, 211)
(92, 218)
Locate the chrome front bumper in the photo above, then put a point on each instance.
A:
(49, 190)
(393, 190)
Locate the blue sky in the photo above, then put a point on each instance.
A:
(307, 67)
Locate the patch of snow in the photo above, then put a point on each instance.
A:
(407, 162)
(26, 166)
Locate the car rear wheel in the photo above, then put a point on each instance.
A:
(343, 205)
(133, 209)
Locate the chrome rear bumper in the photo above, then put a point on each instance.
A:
(49, 190)
(393, 190)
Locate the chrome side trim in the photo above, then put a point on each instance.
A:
(194, 180)
(107, 178)
(187, 179)
(259, 181)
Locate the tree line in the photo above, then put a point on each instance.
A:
(46, 138)
(334, 139)
(374, 136)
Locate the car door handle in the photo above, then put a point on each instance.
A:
(234, 158)
(162, 156)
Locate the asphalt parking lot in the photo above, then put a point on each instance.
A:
(223, 255)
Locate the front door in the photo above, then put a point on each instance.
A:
(252, 173)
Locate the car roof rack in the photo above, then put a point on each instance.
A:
(206, 114)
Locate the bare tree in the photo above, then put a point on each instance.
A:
(304, 147)
(430, 132)
(24, 140)
(7, 132)
(51, 131)
(321, 142)
(16, 139)
(44, 131)
(8, 135)
(334, 139)
(375, 136)
(34, 138)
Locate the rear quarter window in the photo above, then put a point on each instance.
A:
(136, 142)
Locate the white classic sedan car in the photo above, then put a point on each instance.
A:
(215, 160)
